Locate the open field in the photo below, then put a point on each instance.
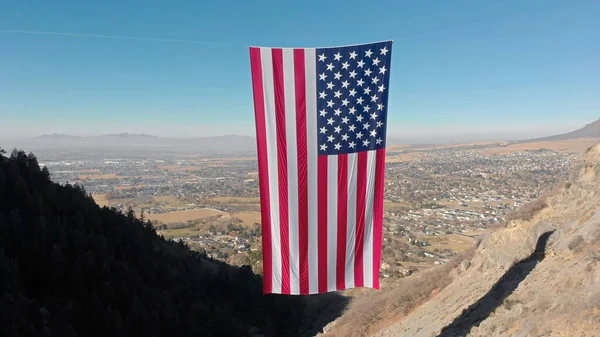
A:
(249, 218)
(477, 233)
(404, 157)
(183, 216)
(418, 265)
(397, 147)
(90, 171)
(233, 200)
(473, 205)
(171, 168)
(124, 188)
(388, 205)
(101, 199)
(97, 176)
(121, 201)
(404, 147)
(167, 198)
(455, 242)
(571, 145)
(180, 232)
(223, 160)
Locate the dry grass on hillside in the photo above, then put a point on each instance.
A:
(369, 313)
(528, 211)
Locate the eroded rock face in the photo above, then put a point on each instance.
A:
(517, 286)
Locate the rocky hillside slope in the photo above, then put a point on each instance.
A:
(536, 277)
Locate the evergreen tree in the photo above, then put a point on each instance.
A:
(71, 268)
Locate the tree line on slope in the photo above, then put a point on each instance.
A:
(70, 268)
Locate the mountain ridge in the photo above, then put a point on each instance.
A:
(130, 135)
(590, 130)
(207, 145)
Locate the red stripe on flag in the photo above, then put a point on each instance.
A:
(282, 168)
(300, 86)
(261, 144)
(322, 225)
(342, 218)
(361, 199)
(378, 214)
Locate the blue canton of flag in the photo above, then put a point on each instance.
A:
(352, 94)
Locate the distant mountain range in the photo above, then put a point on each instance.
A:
(116, 136)
(229, 144)
(591, 130)
(220, 145)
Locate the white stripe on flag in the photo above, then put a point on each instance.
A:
(271, 128)
(292, 168)
(311, 133)
(332, 205)
(368, 239)
(351, 227)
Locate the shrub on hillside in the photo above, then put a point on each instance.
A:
(576, 244)
(528, 211)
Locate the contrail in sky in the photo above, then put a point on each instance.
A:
(109, 36)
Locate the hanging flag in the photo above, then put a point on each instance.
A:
(321, 118)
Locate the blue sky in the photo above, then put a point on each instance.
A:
(471, 69)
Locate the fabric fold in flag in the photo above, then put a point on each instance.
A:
(321, 117)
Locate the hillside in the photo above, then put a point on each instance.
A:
(539, 276)
(71, 268)
(591, 130)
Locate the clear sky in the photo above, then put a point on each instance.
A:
(472, 69)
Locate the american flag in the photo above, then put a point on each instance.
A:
(321, 118)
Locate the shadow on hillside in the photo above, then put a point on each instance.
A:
(506, 285)
(322, 309)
